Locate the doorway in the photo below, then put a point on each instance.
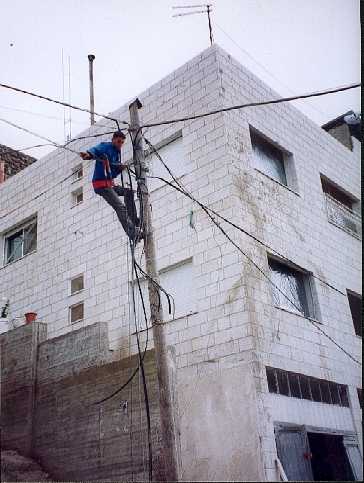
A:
(311, 454)
(329, 460)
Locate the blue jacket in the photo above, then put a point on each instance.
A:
(107, 165)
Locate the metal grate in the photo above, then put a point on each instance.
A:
(300, 386)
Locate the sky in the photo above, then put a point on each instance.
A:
(295, 46)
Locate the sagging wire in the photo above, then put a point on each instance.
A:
(55, 101)
(208, 212)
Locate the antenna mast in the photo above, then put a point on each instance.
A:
(207, 8)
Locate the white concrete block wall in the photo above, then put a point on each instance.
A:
(296, 225)
(233, 320)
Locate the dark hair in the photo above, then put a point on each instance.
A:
(118, 134)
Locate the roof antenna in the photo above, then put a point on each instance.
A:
(207, 9)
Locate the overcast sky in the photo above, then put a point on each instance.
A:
(296, 46)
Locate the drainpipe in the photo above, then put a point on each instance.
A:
(91, 58)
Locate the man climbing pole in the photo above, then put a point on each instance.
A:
(107, 167)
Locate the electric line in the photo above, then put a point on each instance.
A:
(262, 66)
(206, 210)
(214, 212)
(46, 116)
(65, 104)
(35, 134)
(254, 104)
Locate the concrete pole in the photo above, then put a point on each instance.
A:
(164, 358)
(91, 58)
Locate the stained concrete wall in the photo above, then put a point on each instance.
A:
(219, 423)
(18, 350)
(48, 399)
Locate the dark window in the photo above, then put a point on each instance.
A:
(77, 284)
(268, 158)
(356, 309)
(272, 380)
(21, 242)
(334, 391)
(335, 192)
(325, 392)
(283, 388)
(360, 397)
(315, 389)
(294, 384)
(290, 291)
(305, 387)
(76, 312)
(343, 391)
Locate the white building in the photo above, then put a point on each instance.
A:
(255, 374)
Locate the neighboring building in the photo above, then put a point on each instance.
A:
(12, 162)
(255, 377)
(347, 129)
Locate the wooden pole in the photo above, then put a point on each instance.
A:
(164, 358)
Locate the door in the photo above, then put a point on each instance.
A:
(354, 456)
(294, 452)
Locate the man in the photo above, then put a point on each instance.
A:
(108, 167)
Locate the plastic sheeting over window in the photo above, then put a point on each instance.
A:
(292, 283)
(268, 158)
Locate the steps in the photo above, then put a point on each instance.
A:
(15, 467)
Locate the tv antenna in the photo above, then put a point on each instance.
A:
(207, 8)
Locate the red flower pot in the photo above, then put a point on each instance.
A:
(30, 317)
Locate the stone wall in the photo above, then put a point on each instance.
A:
(49, 395)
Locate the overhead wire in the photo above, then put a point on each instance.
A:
(219, 215)
(216, 223)
(254, 104)
(65, 104)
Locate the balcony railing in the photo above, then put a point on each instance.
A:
(344, 218)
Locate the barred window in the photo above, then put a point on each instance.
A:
(292, 290)
(268, 158)
(300, 386)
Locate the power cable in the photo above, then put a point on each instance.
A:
(65, 104)
(46, 116)
(234, 225)
(262, 66)
(254, 104)
(216, 223)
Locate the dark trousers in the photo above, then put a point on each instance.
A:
(127, 213)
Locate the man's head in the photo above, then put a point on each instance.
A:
(118, 139)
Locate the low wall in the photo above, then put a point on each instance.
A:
(49, 391)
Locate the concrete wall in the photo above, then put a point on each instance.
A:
(49, 410)
(19, 353)
(293, 221)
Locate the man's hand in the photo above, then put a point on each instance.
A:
(85, 156)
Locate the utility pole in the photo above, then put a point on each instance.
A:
(164, 358)
(91, 59)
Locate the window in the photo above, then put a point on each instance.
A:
(178, 281)
(342, 208)
(305, 387)
(78, 172)
(360, 397)
(172, 152)
(76, 312)
(295, 284)
(77, 284)
(355, 303)
(268, 158)
(77, 197)
(21, 241)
